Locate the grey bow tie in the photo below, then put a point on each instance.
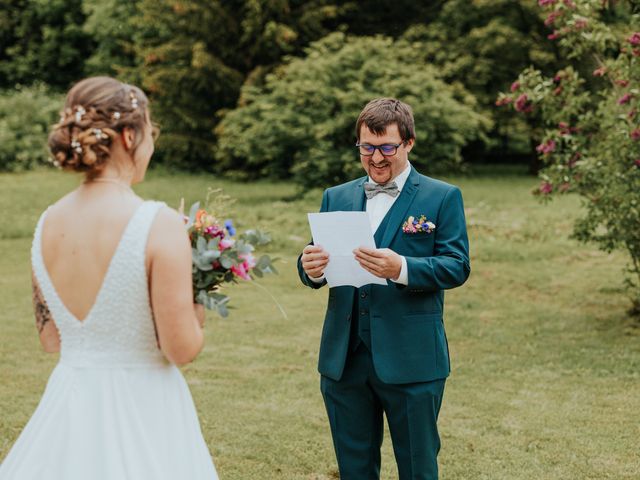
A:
(372, 189)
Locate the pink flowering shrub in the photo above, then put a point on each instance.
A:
(590, 143)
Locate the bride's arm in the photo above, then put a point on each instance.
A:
(178, 323)
(49, 336)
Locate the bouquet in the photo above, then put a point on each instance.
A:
(220, 255)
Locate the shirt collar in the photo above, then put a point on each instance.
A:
(400, 179)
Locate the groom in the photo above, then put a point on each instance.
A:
(383, 347)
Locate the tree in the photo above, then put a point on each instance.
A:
(480, 44)
(591, 141)
(300, 123)
(42, 41)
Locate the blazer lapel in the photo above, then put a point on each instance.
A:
(358, 196)
(400, 208)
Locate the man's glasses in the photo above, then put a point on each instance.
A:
(387, 149)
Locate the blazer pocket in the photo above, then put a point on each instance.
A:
(422, 317)
(415, 236)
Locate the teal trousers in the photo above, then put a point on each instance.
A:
(355, 405)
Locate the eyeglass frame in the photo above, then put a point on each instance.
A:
(379, 148)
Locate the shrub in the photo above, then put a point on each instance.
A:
(300, 123)
(591, 143)
(26, 113)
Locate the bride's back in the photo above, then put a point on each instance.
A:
(101, 251)
(79, 238)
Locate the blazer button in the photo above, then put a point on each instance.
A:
(363, 295)
(363, 312)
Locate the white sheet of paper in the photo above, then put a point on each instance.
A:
(340, 233)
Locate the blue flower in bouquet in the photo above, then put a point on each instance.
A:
(228, 224)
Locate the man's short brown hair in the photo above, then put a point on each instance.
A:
(379, 113)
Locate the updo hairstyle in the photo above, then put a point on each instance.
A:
(96, 110)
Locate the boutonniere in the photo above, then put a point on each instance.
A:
(421, 225)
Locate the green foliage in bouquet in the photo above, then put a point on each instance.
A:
(300, 123)
(220, 255)
(591, 139)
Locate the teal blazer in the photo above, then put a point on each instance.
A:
(408, 341)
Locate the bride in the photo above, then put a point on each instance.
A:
(112, 293)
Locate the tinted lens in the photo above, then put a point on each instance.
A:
(388, 149)
(366, 149)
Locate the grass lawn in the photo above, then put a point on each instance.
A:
(545, 379)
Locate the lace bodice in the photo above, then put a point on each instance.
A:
(119, 329)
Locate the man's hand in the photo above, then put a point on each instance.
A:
(314, 260)
(382, 262)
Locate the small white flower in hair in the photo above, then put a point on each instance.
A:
(80, 111)
(76, 146)
(116, 115)
(134, 101)
(99, 134)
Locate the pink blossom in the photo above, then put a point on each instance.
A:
(557, 91)
(634, 39)
(545, 188)
(637, 162)
(564, 128)
(241, 271)
(544, 3)
(503, 101)
(599, 72)
(625, 98)
(632, 114)
(547, 147)
(570, 3)
(515, 86)
(622, 83)
(554, 36)
(557, 79)
(580, 24)
(523, 104)
(552, 18)
(225, 243)
(635, 134)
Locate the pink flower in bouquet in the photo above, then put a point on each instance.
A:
(634, 39)
(635, 135)
(225, 243)
(515, 86)
(242, 270)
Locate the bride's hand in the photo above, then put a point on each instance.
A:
(199, 311)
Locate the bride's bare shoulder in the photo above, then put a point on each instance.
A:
(168, 230)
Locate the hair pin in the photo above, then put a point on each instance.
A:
(134, 100)
(80, 111)
(116, 115)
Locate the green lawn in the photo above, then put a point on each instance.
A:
(546, 365)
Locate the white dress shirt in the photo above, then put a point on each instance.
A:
(377, 208)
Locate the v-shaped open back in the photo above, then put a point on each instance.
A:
(119, 324)
(105, 278)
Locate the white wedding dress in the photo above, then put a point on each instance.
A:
(114, 408)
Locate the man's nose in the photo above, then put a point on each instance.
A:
(377, 156)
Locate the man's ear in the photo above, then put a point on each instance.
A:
(128, 136)
(409, 144)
